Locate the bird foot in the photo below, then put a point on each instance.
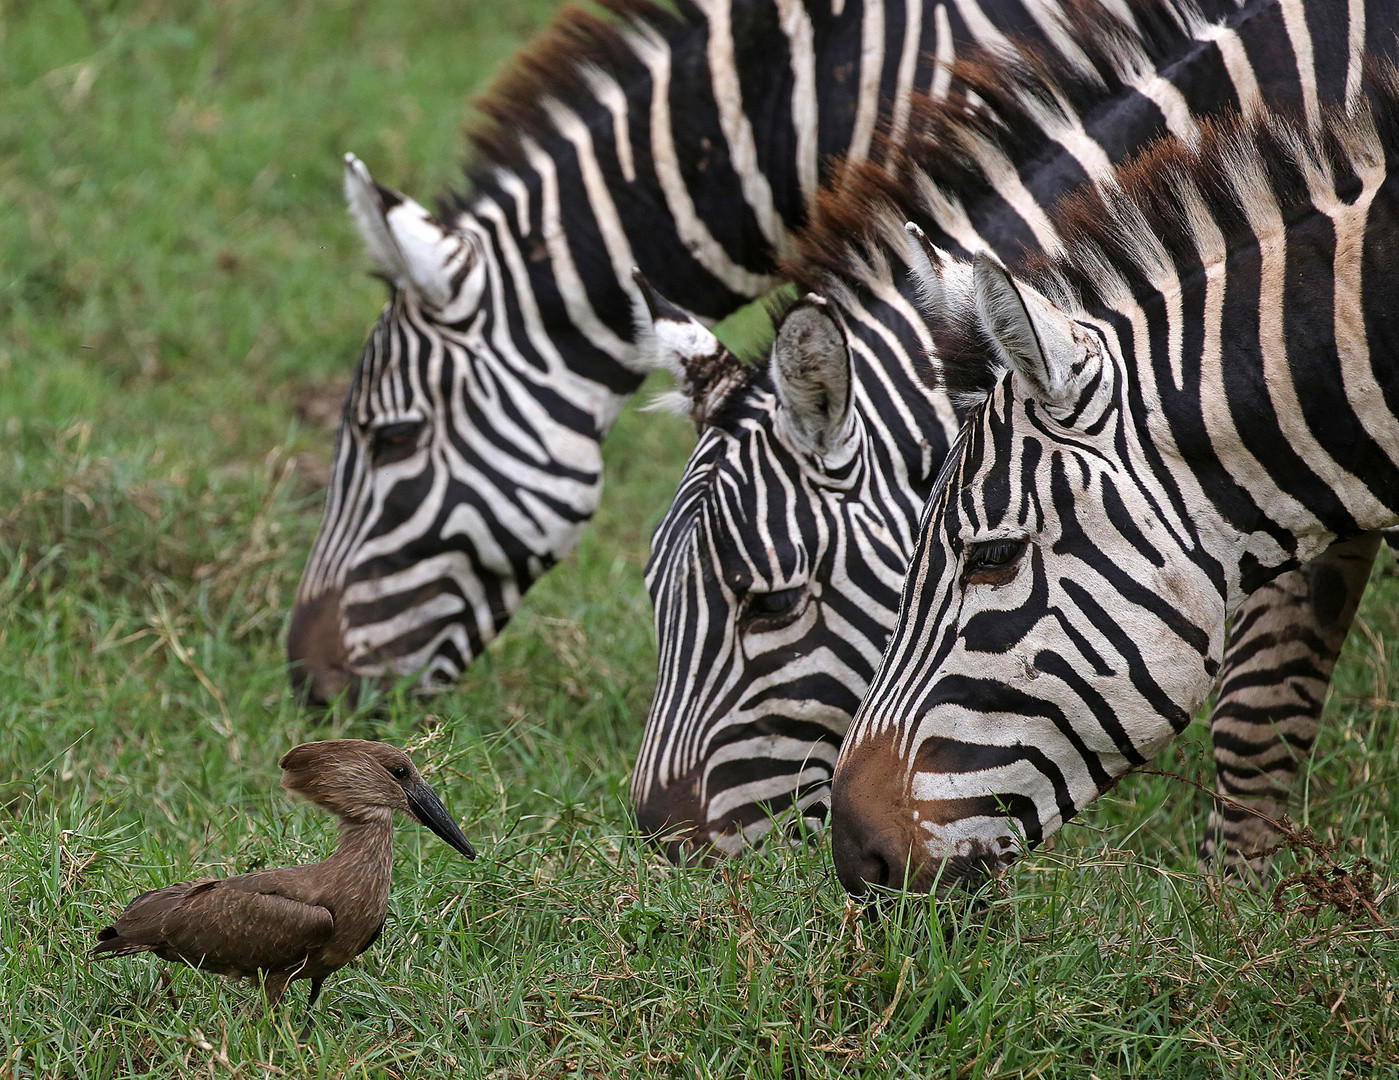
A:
(166, 982)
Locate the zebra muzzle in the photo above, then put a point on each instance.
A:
(320, 669)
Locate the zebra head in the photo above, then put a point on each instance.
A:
(1060, 622)
(448, 495)
(769, 573)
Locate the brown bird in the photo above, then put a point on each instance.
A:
(302, 922)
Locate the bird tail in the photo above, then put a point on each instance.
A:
(111, 943)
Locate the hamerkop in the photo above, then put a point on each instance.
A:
(302, 922)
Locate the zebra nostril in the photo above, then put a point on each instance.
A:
(881, 877)
(329, 685)
(874, 830)
(667, 817)
(862, 863)
(321, 687)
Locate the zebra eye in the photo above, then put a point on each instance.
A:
(772, 605)
(394, 442)
(992, 562)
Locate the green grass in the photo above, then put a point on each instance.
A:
(175, 267)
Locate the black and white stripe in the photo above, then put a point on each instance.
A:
(687, 144)
(777, 570)
(1191, 399)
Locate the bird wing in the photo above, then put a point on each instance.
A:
(140, 923)
(221, 927)
(138, 928)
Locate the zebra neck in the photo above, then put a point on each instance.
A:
(690, 154)
(913, 422)
(544, 319)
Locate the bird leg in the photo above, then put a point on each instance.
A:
(167, 986)
(310, 1000)
(274, 985)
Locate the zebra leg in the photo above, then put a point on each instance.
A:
(1281, 653)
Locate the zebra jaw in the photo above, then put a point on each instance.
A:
(438, 266)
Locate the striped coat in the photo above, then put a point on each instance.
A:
(1195, 395)
(777, 572)
(690, 145)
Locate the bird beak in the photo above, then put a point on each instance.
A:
(428, 809)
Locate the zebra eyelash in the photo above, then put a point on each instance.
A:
(772, 607)
(993, 562)
(390, 443)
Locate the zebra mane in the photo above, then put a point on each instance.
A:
(1120, 240)
(997, 102)
(564, 64)
(1117, 236)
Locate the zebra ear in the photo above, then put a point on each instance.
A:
(1034, 337)
(706, 373)
(408, 244)
(929, 265)
(811, 369)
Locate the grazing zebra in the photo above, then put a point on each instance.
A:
(689, 144)
(777, 571)
(1195, 394)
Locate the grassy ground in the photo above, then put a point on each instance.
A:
(175, 270)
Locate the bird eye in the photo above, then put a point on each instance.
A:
(992, 562)
(399, 772)
(394, 442)
(771, 606)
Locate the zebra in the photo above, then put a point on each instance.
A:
(777, 570)
(689, 144)
(1189, 399)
